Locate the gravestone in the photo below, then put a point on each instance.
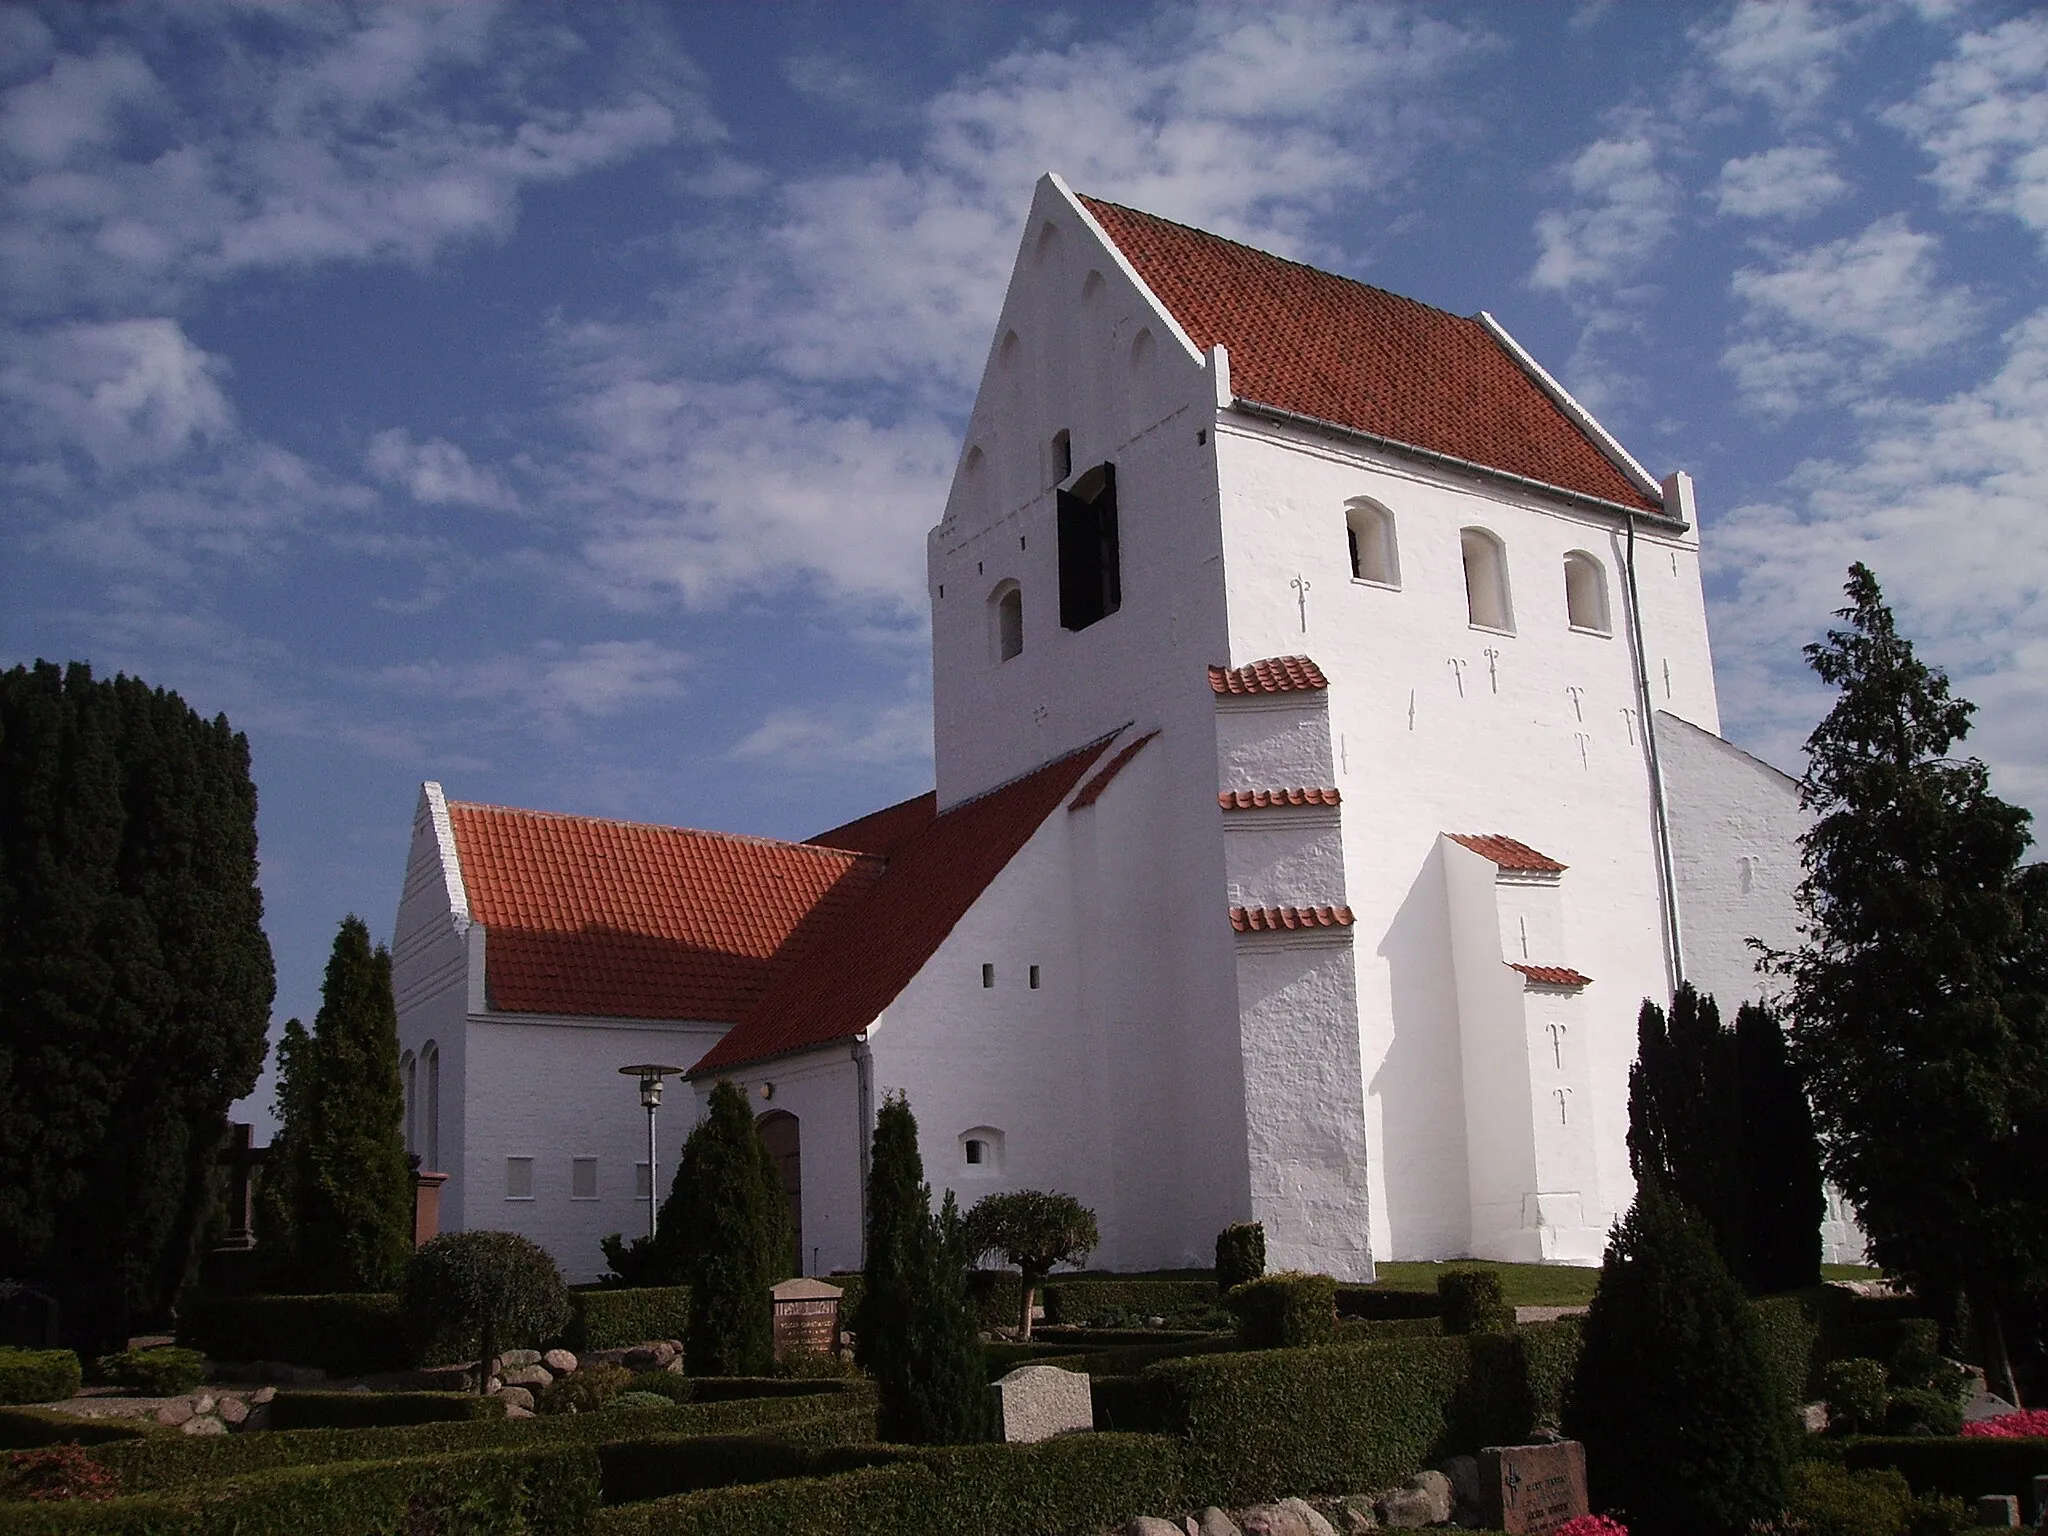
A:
(806, 1317)
(1999, 1511)
(1036, 1402)
(1532, 1488)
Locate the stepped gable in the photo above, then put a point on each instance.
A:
(615, 919)
(1337, 350)
(878, 943)
(1277, 674)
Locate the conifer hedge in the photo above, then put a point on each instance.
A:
(724, 1232)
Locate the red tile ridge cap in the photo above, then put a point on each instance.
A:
(1551, 975)
(816, 849)
(1274, 919)
(1092, 790)
(1276, 674)
(1508, 853)
(1260, 799)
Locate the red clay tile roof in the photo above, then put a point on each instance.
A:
(879, 942)
(1273, 919)
(1508, 853)
(1335, 349)
(1260, 799)
(1279, 674)
(1092, 790)
(618, 920)
(879, 831)
(1551, 975)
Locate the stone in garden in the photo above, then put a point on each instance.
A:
(514, 1411)
(1151, 1525)
(806, 1317)
(1354, 1517)
(262, 1395)
(560, 1361)
(1289, 1517)
(513, 1359)
(1463, 1471)
(205, 1424)
(1425, 1499)
(1532, 1488)
(514, 1397)
(1813, 1418)
(203, 1402)
(176, 1411)
(529, 1376)
(2001, 1511)
(1214, 1522)
(1036, 1402)
(233, 1410)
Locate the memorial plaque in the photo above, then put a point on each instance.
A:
(806, 1317)
(1533, 1488)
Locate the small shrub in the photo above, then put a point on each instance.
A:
(1940, 1514)
(1830, 1500)
(591, 1388)
(1472, 1302)
(1855, 1394)
(56, 1472)
(668, 1384)
(37, 1375)
(1240, 1254)
(815, 1365)
(629, 1400)
(154, 1372)
(1920, 1411)
(489, 1288)
(1287, 1310)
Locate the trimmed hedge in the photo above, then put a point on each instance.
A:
(1082, 1301)
(1550, 1356)
(1966, 1468)
(1061, 1487)
(545, 1490)
(635, 1471)
(620, 1317)
(1285, 1310)
(28, 1429)
(1789, 1337)
(1472, 1302)
(157, 1372)
(348, 1335)
(376, 1410)
(168, 1461)
(997, 1295)
(1373, 1304)
(38, 1375)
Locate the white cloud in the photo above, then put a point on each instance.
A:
(436, 472)
(1831, 321)
(1786, 182)
(1983, 116)
(127, 392)
(1943, 502)
(1622, 213)
(823, 741)
(77, 106)
(553, 687)
(1788, 52)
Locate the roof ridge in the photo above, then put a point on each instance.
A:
(662, 826)
(1258, 250)
(1095, 743)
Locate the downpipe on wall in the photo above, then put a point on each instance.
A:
(1660, 816)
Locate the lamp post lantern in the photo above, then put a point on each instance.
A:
(650, 1075)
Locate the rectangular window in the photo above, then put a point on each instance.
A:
(643, 1186)
(582, 1178)
(988, 975)
(1091, 586)
(1034, 978)
(518, 1178)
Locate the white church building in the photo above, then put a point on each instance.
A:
(1328, 765)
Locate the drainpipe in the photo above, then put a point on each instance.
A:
(864, 1095)
(1660, 816)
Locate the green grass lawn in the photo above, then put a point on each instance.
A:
(1850, 1272)
(1522, 1285)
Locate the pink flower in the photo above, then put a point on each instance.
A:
(2026, 1423)
(1591, 1525)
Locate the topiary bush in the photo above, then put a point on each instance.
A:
(490, 1289)
(154, 1372)
(1285, 1311)
(1922, 1411)
(38, 1375)
(1855, 1393)
(1240, 1254)
(1472, 1302)
(629, 1400)
(1824, 1498)
(591, 1388)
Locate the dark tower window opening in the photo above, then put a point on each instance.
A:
(1091, 582)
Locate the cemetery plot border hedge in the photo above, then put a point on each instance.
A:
(29, 1429)
(618, 1317)
(378, 1410)
(1082, 1301)
(37, 1375)
(1060, 1487)
(346, 1334)
(1375, 1305)
(635, 1471)
(549, 1490)
(1966, 1468)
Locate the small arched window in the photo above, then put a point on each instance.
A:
(1059, 457)
(1010, 351)
(1091, 287)
(981, 1149)
(1486, 580)
(1585, 593)
(1374, 555)
(1048, 241)
(1006, 621)
(430, 1121)
(409, 1078)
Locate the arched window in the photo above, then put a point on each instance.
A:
(1006, 621)
(1059, 458)
(409, 1077)
(782, 1136)
(1048, 241)
(430, 1127)
(1010, 351)
(981, 1149)
(1585, 593)
(1486, 580)
(1091, 287)
(1374, 555)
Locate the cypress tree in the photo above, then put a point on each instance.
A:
(1783, 1201)
(341, 1186)
(1685, 1114)
(135, 985)
(915, 1328)
(1684, 1422)
(724, 1232)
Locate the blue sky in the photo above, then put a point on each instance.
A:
(552, 401)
